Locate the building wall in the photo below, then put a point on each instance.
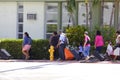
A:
(8, 19)
(34, 27)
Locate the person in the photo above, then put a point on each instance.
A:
(116, 51)
(86, 45)
(109, 51)
(81, 50)
(53, 42)
(61, 45)
(99, 42)
(26, 45)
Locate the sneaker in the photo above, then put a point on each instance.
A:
(87, 58)
(58, 59)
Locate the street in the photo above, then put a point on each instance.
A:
(57, 70)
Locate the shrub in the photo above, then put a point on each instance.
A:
(39, 48)
(107, 32)
(75, 34)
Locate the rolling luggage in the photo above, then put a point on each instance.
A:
(68, 54)
(75, 53)
(99, 56)
(4, 54)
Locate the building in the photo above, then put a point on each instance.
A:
(41, 17)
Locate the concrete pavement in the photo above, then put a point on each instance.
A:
(57, 70)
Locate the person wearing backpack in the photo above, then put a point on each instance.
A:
(86, 46)
(26, 45)
(61, 45)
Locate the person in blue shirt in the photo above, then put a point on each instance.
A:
(81, 51)
(26, 45)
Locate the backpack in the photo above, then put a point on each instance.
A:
(88, 41)
(30, 41)
(66, 42)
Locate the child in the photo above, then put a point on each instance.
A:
(81, 51)
(109, 51)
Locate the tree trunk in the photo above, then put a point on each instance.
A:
(112, 13)
(102, 10)
(87, 14)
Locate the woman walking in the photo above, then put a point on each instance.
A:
(26, 45)
(99, 42)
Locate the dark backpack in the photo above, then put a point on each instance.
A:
(30, 41)
(88, 41)
(66, 42)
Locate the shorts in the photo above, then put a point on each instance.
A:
(117, 51)
(26, 47)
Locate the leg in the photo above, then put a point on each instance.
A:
(86, 52)
(61, 51)
(99, 49)
(28, 56)
(26, 53)
(115, 57)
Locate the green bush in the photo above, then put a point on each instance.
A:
(39, 48)
(107, 32)
(75, 34)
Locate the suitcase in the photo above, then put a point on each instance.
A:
(75, 53)
(4, 54)
(99, 56)
(68, 54)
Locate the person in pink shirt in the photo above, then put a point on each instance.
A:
(86, 45)
(99, 42)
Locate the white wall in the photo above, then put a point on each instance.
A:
(119, 17)
(35, 28)
(8, 18)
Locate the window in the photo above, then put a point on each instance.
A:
(20, 20)
(108, 6)
(51, 18)
(20, 29)
(20, 8)
(20, 36)
(20, 17)
(31, 16)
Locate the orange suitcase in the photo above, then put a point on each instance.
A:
(68, 54)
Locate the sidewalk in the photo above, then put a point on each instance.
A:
(58, 70)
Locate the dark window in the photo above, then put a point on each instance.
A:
(31, 16)
(20, 17)
(20, 29)
(20, 36)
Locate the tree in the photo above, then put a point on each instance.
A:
(113, 11)
(71, 7)
(94, 2)
(87, 13)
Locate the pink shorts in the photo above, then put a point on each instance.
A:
(26, 47)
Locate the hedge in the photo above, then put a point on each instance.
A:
(39, 48)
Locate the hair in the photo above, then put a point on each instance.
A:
(118, 32)
(55, 33)
(26, 33)
(98, 32)
(81, 44)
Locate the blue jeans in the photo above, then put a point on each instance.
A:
(86, 51)
(99, 49)
(61, 51)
